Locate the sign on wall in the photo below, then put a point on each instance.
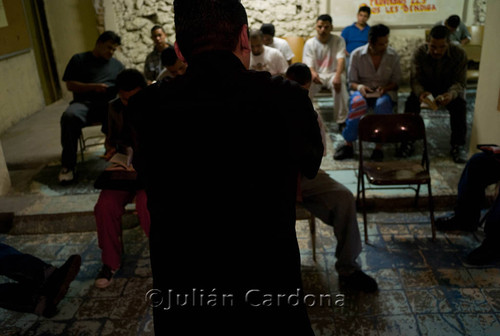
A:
(14, 36)
(396, 13)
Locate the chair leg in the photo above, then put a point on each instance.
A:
(363, 206)
(312, 229)
(431, 210)
(417, 194)
(81, 142)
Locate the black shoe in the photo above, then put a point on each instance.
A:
(406, 149)
(458, 154)
(484, 255)
(358, 281)
(341, 127)
(57, 285)
(344, 152)
(451, 223)
(377, 155)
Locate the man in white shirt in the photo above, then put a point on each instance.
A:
(325, 56)
(270, 40)
(374, 76)
(264, 58)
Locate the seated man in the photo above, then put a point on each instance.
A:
(459, 34)
(334, 204)
(172, 65)
(111, 203)
(91, 77)
(271, 41)
(482, 170)
(439, 70)
(325, 56)
(374, 75)
(264, 58)
(39, 286)
(153, 65)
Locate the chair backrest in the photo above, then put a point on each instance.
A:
(296, 43)
(391, 128)
(476, 34)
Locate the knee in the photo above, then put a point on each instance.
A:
(108, 204)
(384, 105)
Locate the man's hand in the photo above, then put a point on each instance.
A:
(424, 95)
(444, 99)
(363, 89)
(100, 87)
(315, 78)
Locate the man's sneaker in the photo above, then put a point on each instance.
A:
(104, 277)
(452, 223)
(485, 254)
(66, 175)
(377, 155)
(57, 285)
(458, 154)
(358, 281)
(344, 152)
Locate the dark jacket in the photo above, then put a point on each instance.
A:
(220, 148)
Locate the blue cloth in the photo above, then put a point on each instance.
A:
(358, 107)
(354, 37)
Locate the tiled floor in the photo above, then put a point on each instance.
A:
(425, 289)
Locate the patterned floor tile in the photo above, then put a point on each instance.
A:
(480, 324)
(439, 324)
(467, 300)
(485, 277)
(417, 278)
(431, 300)
(397, 325)
(454, 277)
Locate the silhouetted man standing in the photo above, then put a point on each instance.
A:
(224, 250)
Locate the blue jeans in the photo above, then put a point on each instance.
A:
(481, 170)
(358, 107)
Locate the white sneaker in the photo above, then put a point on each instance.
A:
(66, 175)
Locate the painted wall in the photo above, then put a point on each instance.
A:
(19, 81)
(73, 29)
(486, 122)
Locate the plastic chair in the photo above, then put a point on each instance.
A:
(296, 43)
(301, 214)
(400, 174)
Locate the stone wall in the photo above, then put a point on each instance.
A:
(134, 19)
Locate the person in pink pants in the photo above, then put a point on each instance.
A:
(113, 198)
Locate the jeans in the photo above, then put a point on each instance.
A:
(358, 107)
(481, 170)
